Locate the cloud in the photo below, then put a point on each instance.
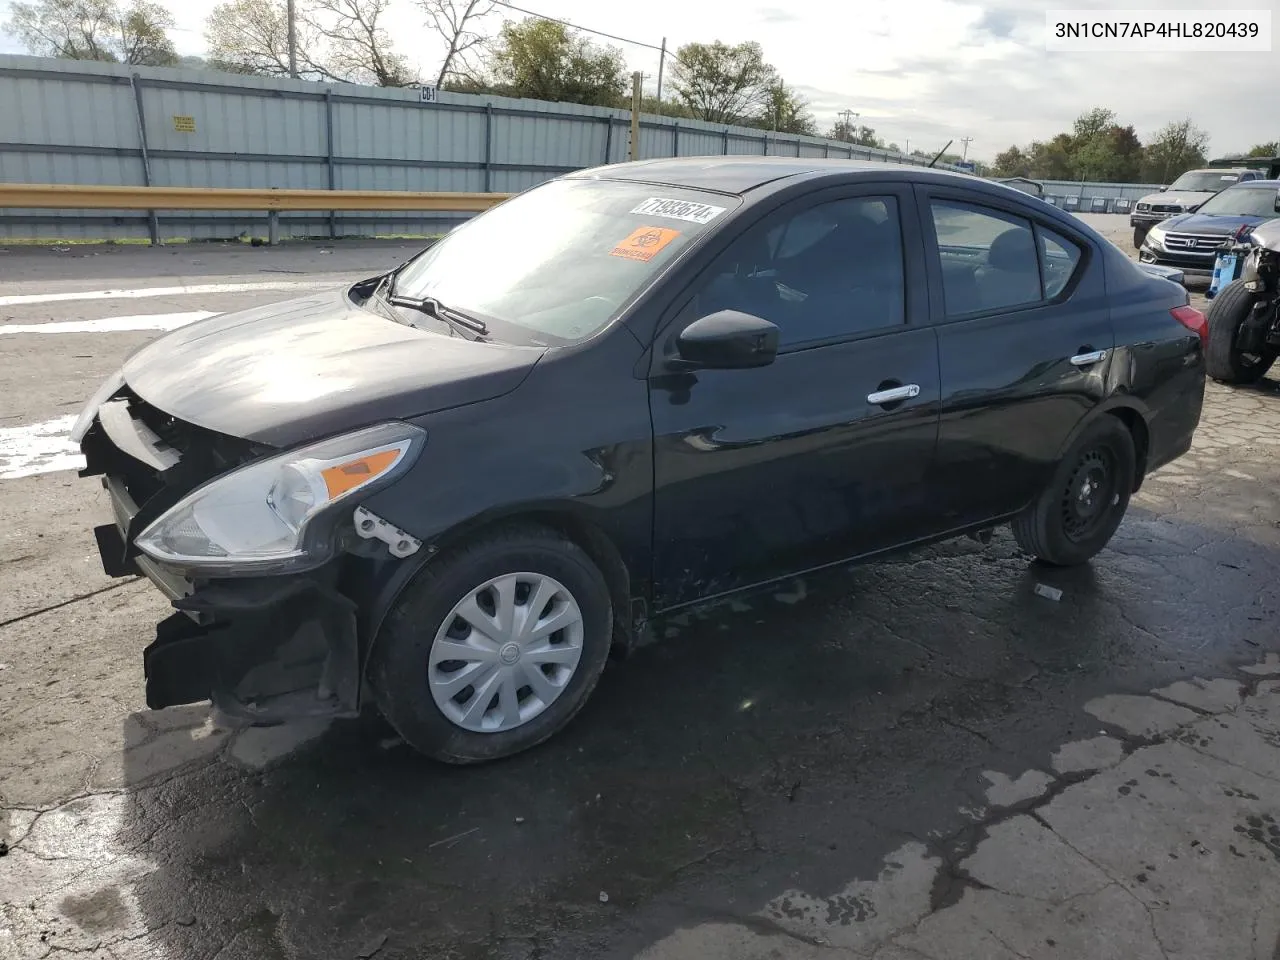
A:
(998, 23)
(775, 15)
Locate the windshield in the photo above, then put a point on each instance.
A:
(562, 259)
(1206, 181)
(1242, 202)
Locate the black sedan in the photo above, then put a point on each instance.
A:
(454, 488)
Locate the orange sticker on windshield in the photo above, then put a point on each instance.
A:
(644, 243)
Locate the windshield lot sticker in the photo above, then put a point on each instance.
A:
(644, 243)
(678, 210)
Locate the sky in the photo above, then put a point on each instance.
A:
(921, 72)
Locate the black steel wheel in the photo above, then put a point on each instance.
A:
(1080, 510)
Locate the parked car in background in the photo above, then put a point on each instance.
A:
(1191, 241)
(457, 486)
(1184, 195)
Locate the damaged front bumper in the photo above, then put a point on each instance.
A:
(262, 649)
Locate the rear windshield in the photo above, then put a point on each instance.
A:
(1242, 201)
(1205, 182)
(561, 260)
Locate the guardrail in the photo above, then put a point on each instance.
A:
(57, 196)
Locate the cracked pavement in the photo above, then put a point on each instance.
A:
(918, 758)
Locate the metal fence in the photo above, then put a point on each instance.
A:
(79, 122)
(1084, 197)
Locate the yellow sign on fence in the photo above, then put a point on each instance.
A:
(184, 124)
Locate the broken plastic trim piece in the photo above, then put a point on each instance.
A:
(370, 526)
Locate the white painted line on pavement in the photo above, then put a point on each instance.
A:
(38, 448)
(189, 290)
(146, 321)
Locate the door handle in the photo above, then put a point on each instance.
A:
(893, 395)
(1088, 359)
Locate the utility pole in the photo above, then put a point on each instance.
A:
(848, 117)
(662, 62)
(637, 79)
(965, 141)
(293, 39)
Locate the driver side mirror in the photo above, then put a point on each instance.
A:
(726, 340)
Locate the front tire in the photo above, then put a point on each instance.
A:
(1224, 361)
(1139, 234)
(493, 647)
(1081, 509)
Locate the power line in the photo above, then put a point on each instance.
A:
(574, 26)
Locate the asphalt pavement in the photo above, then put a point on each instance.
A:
(919, 758)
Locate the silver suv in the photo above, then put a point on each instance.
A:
(1184, 195)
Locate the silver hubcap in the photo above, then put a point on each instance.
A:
(505, 652)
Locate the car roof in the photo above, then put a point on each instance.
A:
(1221, 170)
(1254, 184)
(739, 175)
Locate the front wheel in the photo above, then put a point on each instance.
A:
(1081, 509)
(493, 647)
(1139, 234)
(1224, 360)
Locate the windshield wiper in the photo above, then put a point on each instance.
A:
(433, 308)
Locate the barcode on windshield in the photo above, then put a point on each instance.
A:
(678, 210)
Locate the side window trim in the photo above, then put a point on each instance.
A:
(915, 268)
(925, 194)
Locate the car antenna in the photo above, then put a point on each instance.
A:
(940, 153)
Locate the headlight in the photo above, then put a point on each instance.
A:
(279, 514)
(1155, 237)
(1143, 207)
(105, 393)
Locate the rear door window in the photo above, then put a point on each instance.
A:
(989, 258)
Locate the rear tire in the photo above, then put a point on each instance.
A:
(1081, 509)
(1139, 234)
(1223, 359)
(524, 686)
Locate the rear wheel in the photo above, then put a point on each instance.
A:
(1224, 360)
(1081, 509)
(494, 647)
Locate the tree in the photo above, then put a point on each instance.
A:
(787, 111)
(546, 60)
(359, 49)
(141, 28)
(96, 30)
(1271, 149)
(340, 40)
(1012, 163)
(1092, 124)
(252, 36)
(723, 84)
(1051, 160)
(854, 133)
(455, 20)
(1178, 146)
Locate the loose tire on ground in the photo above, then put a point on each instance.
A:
(1051, 528)
(402, 667)
(1223, 360)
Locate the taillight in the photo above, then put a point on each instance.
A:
(1193, 320)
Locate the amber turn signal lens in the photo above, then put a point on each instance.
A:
(338, 480)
